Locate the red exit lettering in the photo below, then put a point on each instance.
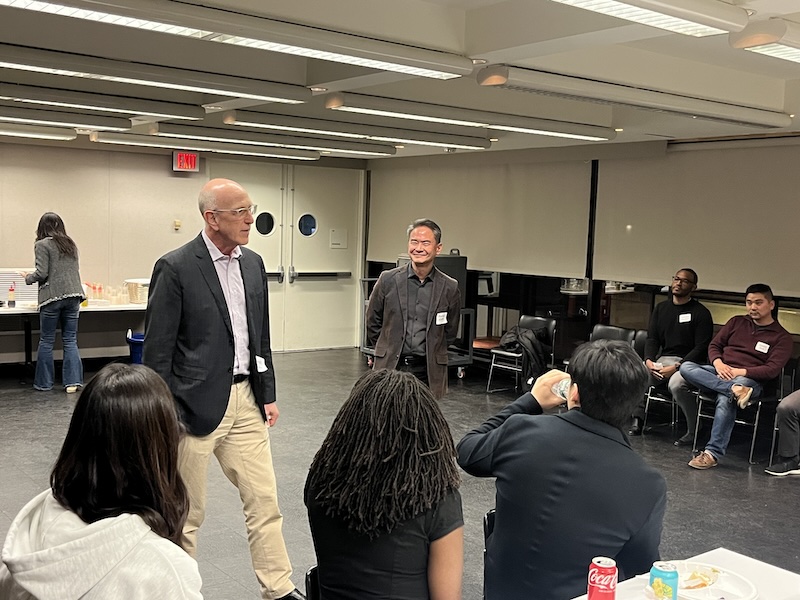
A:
(185, 161)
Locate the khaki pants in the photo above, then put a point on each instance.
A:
(241, 445)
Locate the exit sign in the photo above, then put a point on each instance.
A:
(185, 161)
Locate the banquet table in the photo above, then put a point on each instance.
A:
(772, 583)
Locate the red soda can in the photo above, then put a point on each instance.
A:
(602, 579)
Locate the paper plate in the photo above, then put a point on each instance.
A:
(700, 581)
(722, 584)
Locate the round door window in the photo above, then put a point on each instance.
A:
(307, 225)
(265, 223)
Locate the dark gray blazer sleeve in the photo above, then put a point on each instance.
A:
(162, 320)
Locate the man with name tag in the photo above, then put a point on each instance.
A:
(413, 312)
(747, 353)
(680, 329)
(207, 335)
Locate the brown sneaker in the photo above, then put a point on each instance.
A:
(704, 460)
(741, 394)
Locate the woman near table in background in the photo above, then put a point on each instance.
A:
(60, 296)
(382, 496)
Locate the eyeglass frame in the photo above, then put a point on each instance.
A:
(238, 213)
(683, 280)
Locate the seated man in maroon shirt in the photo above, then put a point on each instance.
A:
(748, 352)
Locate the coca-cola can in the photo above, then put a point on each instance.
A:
(602, 579)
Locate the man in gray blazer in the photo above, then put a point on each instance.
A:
(207, 335)
(413, 312)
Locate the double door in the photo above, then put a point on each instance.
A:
(309, 230)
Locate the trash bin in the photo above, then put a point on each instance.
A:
(136, 343)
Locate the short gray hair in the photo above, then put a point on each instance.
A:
(437, 232)
(207, 200)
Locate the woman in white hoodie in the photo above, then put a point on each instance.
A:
(109, 526)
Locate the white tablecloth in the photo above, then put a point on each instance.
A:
(772, 583)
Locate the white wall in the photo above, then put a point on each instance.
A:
(118, 207)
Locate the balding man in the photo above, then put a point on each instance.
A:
(207, 335)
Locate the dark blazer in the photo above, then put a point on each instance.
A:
(387, 317)
(569, 488)
(189, 338)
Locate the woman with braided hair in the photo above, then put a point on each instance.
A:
(382, 496)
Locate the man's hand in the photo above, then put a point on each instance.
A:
(724, 371)
(272, 413)
(655, 370)
(543, 389)
(668, 371)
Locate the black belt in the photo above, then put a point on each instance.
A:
(412, 359)
(240, 378)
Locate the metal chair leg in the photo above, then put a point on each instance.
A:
(697, 423)
(755, 433)
(774, 438)
(491, 370)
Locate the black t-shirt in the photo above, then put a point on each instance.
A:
(392, 566)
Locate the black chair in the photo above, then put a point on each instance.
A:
(488, 528)
(639, 342)
(612, 332)
(751, 415)
(312, 584)
(660, 393)
(512, 361)
(791, 383)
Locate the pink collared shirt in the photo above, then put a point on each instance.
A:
(230, 279)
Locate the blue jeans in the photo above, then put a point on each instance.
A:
(705, 378)
(64, 314)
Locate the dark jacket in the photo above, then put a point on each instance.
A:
(189, 338)
(569, 488)
(386, 323)
(528, 342)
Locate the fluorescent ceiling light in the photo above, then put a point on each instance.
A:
(576, 88)
(283, 123)
(128, 139)
(131, 107)
(433, 113)
(256, 139)
(774, 37)
(215, 25)
(697, 18)
(34, 132)
(73, 65)
(10, 114)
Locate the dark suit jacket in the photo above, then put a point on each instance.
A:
(569, 488)
(189, 338)
(387, 317)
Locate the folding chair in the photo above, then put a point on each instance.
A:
(512, 361)
(770, 398)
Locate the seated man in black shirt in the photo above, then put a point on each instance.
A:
(569, 486)
(680, 329)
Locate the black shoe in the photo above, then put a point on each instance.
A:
(636, 428)
(293, 595)
(685, 440)
(787, 466)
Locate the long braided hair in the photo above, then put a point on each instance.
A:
(388, 457)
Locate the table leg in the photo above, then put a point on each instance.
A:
(27, 368)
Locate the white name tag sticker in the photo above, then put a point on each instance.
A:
(261, 364)
(441, 318)
(762, 347)
(684, 318)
